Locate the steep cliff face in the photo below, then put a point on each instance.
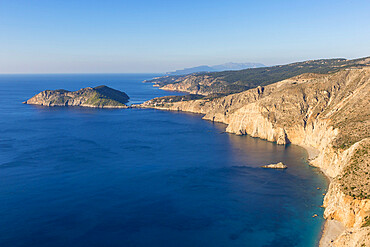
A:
(98, 97)
(328, 113)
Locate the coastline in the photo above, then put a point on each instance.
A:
(325, 116)
(82, 106)
(331, 229)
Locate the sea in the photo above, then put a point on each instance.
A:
(72, 176)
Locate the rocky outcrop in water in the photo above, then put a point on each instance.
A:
(97, 97)
(279, 165)
(325, 112)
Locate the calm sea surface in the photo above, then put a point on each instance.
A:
(141, 177)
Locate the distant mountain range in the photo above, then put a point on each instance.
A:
(216, 68)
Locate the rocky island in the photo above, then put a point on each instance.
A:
(327, 113)
(97, 97)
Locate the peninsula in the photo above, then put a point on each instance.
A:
(227, 82)
(97, 97)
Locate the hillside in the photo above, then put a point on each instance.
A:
(228, 82)
(98, 97)
(328, 114)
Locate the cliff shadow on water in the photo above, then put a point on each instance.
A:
(284, 203)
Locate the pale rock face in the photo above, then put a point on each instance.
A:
(250, 120)
(351, 212)
(353, 237)
(328, 113)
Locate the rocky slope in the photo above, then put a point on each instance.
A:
(237, 81)
(329, 113)
(98, 97)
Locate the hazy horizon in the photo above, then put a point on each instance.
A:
(161, 36)
(159, 73)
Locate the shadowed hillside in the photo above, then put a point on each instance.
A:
(228, 82)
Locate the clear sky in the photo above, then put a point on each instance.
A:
(46, 36)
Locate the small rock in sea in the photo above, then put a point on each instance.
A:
(279, 165)
(315, 215)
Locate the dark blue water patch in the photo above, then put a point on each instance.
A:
(141, 177)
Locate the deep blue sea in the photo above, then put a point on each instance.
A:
(141, 177)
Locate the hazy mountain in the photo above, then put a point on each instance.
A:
(216, 68)
(237, 66)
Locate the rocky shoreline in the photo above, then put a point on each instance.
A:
(97, 97)
(325, 114)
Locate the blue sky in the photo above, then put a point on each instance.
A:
(38, 36)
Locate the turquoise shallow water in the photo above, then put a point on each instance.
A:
(142, 177)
